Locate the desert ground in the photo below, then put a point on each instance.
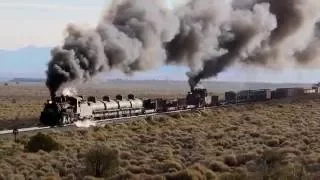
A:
(270, 140)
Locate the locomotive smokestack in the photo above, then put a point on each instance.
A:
(52, 95)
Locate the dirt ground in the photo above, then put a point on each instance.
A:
(272, 140)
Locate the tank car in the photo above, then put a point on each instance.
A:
(136, 105)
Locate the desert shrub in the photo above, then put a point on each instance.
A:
(218, 166)
(97, 128)
(286, 172)
(149, 118)
(233, 176)
(216, 135)
(170, 166)
(125, 155)
(231, 160)
(162, 119)
(102, 161)
(271, 158)
(175, 115)
(42, 142)
(207, 173)
(204, 113)
(196, 171)
(136, 169)
(125, 176)
(69, 177)
(272, 142)
(245, 158)
(189, 174)
(23, 140)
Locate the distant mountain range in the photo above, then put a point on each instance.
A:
(28, 80)
(30, 61)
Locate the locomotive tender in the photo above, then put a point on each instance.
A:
(68, 109)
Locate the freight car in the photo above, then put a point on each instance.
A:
(243, 96)
(260, 95)
(287, 92)
(230, 97)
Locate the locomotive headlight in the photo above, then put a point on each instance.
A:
(50, 102)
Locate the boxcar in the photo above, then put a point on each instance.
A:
(230, 97)
(260, 95)
(243, 96)
(214, 100)
(287, 92)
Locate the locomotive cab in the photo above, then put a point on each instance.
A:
(197, 97)
(61, 110)
(50, 115)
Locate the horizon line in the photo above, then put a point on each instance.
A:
(41, 80)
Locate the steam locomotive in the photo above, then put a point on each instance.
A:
(68, 109)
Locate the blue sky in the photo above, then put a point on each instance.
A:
(41, 23)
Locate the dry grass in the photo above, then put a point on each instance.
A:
(276, 140)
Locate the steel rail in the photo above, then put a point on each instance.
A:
(118, 120)
(129, 118)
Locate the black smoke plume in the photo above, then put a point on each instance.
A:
(208, 36)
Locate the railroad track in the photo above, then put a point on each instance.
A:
(120, 120)
(6, 133)
(102, 122)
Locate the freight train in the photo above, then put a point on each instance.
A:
(65, 110)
